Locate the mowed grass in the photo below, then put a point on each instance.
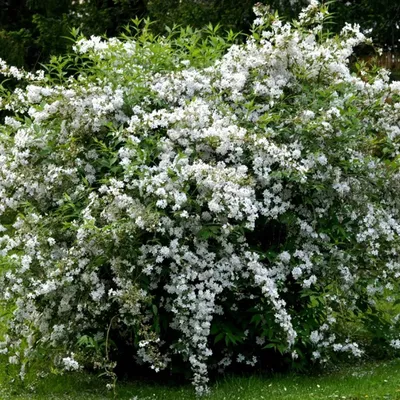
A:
(368, 381)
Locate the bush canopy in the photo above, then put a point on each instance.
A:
(189, 201)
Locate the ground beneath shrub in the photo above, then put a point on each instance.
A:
(367, 381)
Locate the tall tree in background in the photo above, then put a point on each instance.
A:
(32, 30)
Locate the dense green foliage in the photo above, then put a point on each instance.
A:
(32, 30)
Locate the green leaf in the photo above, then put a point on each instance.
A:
(155, 310)
(219, 337)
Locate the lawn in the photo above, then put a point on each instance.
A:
(369, 381)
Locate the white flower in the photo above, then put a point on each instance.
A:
(297, 272)
(70, 364)
(315, 337)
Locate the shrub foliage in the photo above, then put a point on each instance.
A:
(32, 31)
(186, 200)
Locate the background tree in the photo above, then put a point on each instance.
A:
(32, 30)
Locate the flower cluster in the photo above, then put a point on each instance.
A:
(172, 201)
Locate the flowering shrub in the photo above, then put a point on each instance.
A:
(191, 199)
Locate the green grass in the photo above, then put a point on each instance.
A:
(368, 381)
